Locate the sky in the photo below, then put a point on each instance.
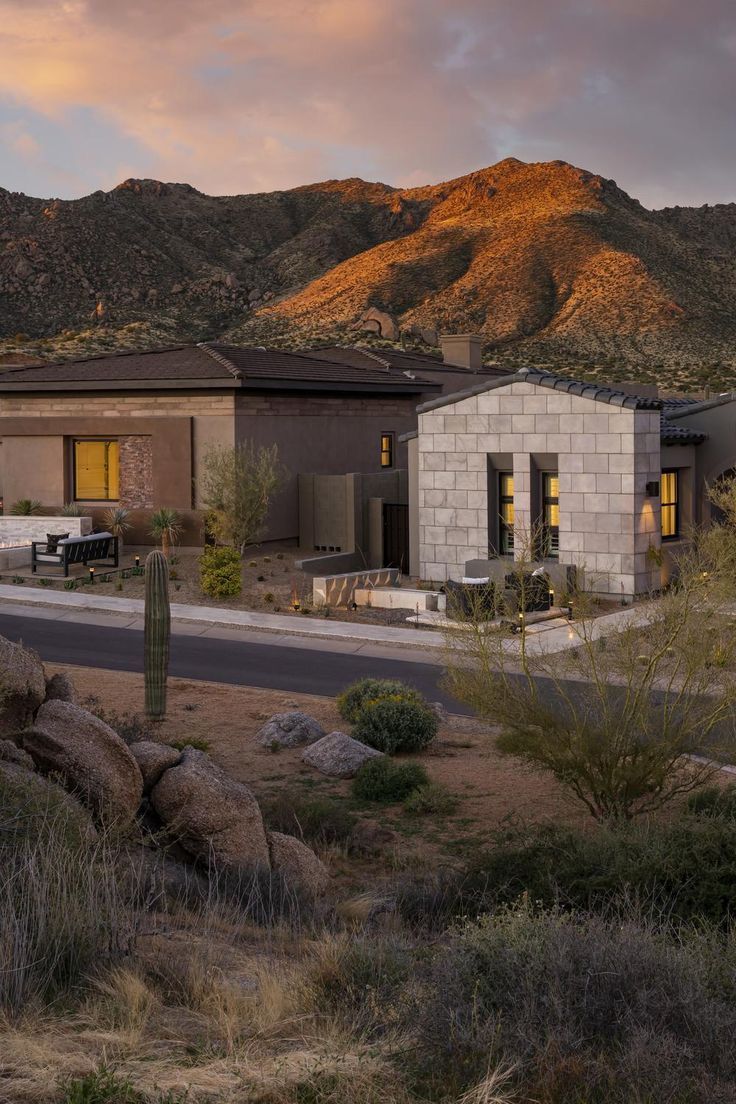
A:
(237, 96)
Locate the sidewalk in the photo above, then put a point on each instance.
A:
(548, 636)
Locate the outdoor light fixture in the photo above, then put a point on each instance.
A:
(92, 575)
(653, 489)
(551, 597)
(137, 562)
(569, 612)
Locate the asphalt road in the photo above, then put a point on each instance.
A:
(239, 663)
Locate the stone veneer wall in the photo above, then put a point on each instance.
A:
(605, 456)
(23, 530)
(136, 472)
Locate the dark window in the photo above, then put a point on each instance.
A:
(387, 450)
(550, 513)
(670, 506)
(506, 512)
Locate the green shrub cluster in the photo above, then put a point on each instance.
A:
(396, 724)
(352, 700)
(382, 780)
(220, 572)
(388, 715)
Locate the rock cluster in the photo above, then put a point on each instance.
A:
(68, 758)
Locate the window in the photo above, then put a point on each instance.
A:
(387, 450)
(670, 507)
(96, 471)
(506, 513)
(550, 513)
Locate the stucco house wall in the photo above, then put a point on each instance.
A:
(605, 455)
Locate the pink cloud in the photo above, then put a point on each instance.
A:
(241, 95)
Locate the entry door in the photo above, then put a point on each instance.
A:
(396, 535)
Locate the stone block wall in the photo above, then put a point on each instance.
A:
(136, 472)
(604, 455)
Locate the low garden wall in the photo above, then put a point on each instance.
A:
(339, 590)
(22, 530)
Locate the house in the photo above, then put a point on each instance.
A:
(133, 429)
(609, 478)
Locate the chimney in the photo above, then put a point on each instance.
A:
(462, 350)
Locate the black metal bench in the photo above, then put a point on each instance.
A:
(91, 549)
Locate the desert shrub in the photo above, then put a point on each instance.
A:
(684, 870)
(363, 981)
(196, 742)
(63, 914)
(395, 724)
(253, 894)
(220, 572)
(130, 727)
(714, 801)
(431, 799)
(26, 507)
(317, 820)
(584, 1009)
(354, 697)
(100, 1087)
(382, 780)
(103, 1086)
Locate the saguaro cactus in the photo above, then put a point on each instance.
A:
(156, 635)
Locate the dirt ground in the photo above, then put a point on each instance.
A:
(491, 790)
(271, 584)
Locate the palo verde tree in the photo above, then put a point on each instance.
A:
(628, 720)
(237, 487)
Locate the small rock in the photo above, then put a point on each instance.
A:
(11, 753)
(61, 688)
(153, 759)
(370, 837)
(440, 712)
(339, 755)
(288, 730)
(298, 863)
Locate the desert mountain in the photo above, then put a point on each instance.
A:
(545, 260)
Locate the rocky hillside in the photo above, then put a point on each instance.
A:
(547, 260)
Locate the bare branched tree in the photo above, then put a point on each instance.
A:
(237, 487)
(616, 718)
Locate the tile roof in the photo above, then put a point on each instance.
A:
(398, 359)
(252, 364)
(672, 433)
(173, 363)
(216, 365)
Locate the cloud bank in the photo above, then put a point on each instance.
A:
(248, 95)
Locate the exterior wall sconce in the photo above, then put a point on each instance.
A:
(653, 489)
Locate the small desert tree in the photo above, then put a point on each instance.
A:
(237, 486)
(616, 718)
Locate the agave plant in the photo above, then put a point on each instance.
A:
(116, 521)
(166, 526)
(26, 507)
(71, 509)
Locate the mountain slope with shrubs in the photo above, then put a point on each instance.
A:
(548, 261)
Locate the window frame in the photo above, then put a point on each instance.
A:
(93, 441)
(673, 504)
(390, 451)
(505, 530)
(550, 533)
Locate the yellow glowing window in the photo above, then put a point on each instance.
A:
(506, 511)
(669, 501)
(97, 471)
(387, 450)
(551, 512)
